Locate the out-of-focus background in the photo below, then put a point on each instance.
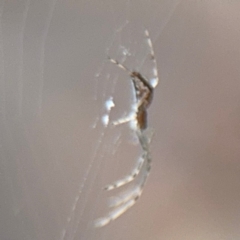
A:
(56, 155)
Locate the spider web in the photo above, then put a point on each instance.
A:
(59, 95)
(115, 94)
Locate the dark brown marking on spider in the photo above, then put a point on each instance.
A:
(141, 116)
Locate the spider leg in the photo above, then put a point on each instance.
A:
(127, 200)
(119, 64)
(114, 214)
(135, 192)
(128, 178)
(125, 196)
(155, 80)
(123, 120)
(120, 204)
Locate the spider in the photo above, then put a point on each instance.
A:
(144, 90)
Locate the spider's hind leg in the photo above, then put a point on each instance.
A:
(129, 178)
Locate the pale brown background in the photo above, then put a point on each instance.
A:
(50, 51)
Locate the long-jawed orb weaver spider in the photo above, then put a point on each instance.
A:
(144, 90)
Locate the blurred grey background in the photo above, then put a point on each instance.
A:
(56, 156)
